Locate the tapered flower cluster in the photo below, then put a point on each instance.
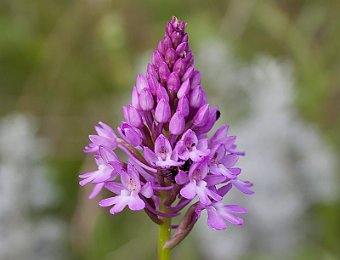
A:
(165, 138)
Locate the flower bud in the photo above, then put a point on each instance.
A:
(182, 48)
(183, 106)
(204, 98)
(141, 82)
(189, 72)
(177, 123)
(213, 117)
(130, 134)
(146, 100)
(202, 116)
(184, 89)
(173, 82)
(151, 71)
(181, 26)
(153, 83)
(179, 67)
(170, 57)
(174, 22)
(163, 111)
(169, 29)
(162, 93)
(176, 38)
(157, 58)
(196, 97)
(135, 98)
(196, 79)
(132, 116)
(163, 71)
(185, 37)
(167, 43)
(160, 47)
(188, 59)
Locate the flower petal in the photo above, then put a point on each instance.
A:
(236, 209)
(202, 193)
(135, 202)
(97, 188)
(242, 186)
(150, 156)
(162, 146)
(189, 190)
(147, 190)
(215, 220)
(108, 202)
(181, 177)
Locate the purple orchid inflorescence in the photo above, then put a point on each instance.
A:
(169, 152)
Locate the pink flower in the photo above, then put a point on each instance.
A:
(129, 192)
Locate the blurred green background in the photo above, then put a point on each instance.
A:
(70, 64)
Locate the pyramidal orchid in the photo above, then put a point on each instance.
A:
(172, 161)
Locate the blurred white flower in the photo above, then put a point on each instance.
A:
(24, 190)
(286, 159)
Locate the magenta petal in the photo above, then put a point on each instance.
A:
(230, 217)
(173, 82)
(107, 155)
(229, 142)
(108, 202)
(147, 190)
(181, 178)
(146, 102)
(162, 146)
(189, 190)
(236, 209)
(202, 193)
(242, 187)
(183, 106)
(214, 196)
(130, 134)
(88, 180)
(120, 205)
(125, 180)
(196, 97)
(189, 138)
(86, 174)
(135, 98)
(135, 202)
(196, 79)
(230, 160)
(97, 188)
(215, 220)
(225, 171)
(141, 83)
(104, 176)
(202, 116)
(224, 189)
(214, 179)
(182, 151)
(163, 111)
(149, 155)
(184, 89)
(104, 141)
(177, 123)
(219, 135)
(114, 187)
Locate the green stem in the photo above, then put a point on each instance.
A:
(163, 230)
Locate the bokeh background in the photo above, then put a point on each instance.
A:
(272, 66)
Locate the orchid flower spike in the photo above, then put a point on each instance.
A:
(172, 161)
